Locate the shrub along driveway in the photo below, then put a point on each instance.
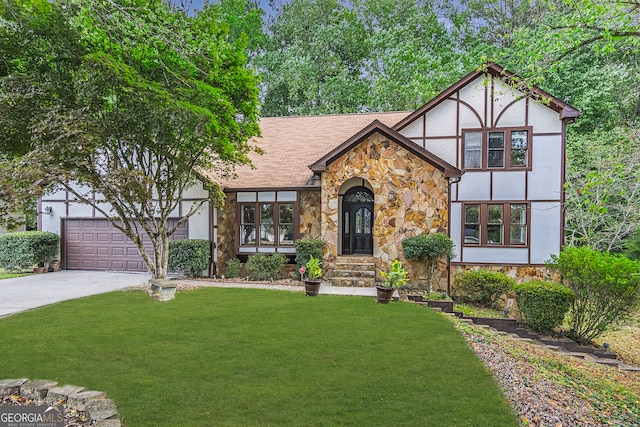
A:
(249, 357)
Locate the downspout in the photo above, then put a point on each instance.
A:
(451, 181)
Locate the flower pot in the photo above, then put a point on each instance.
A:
(40, 270)
(384, 294)
(312, 287)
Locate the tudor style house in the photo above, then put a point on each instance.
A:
(483, 162)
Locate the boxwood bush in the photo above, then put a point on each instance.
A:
(482, 287)
(27, 249)
(265, 266)
(191, 256)
(543, 305)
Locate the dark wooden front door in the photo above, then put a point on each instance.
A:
(357, 221)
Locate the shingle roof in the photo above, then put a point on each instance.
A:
(291, 144)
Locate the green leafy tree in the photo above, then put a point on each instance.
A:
(125, 102)
(313, 59)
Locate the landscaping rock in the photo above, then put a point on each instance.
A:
(37, 389)
(101, 409)
(11, 386)
(61, 394)
(80, 400)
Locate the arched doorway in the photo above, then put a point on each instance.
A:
(357, 221)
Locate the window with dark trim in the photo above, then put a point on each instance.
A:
(266, 224)
(495, 224)
(501, 148)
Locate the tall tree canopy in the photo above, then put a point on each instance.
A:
(121, 103)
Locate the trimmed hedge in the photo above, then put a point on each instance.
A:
(482, 287)
(189, 255)
(27, 249)
(265, 267)
(543, 305)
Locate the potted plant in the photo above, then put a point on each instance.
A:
(396, 277)
(314, 274)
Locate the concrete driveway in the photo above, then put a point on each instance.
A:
(37, 290)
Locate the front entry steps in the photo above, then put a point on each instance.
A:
(354, 271)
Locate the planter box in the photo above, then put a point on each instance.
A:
(444, 305)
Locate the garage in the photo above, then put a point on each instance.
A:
(95, 244)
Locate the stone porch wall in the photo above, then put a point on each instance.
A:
(226, 233)
(310, 216)
(419, 204)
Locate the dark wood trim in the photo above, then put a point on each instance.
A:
(515, 101)
(267, 189)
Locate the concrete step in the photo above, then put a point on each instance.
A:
(363, 282)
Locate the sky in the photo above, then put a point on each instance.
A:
(197, 4)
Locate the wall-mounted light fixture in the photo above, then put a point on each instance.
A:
(48, 210)
(391, 194)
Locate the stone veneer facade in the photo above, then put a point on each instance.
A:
(420, 203)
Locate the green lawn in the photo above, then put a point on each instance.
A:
(240, 357)
(7, 275)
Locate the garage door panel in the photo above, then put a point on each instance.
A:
(101, 246)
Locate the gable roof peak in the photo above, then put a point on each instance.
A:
(565, 110)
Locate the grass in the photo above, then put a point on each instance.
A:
(8, 275)
(238, 357)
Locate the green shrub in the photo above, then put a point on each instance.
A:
(606, 287)
(233, 268)
(305, 249)
(428, 249)
(543, 305)
(264, 266)
(27, 249)
(190, 256)
(482, 288)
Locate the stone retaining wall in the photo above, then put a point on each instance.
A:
(94, 404)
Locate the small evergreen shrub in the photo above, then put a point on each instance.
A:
(189, 255)
(305, 249)
(233, 268)
(428, 249)
(264, 266)
(482, 288)
(543, 305)
(606, 287)
(27, 249)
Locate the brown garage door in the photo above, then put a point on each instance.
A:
(95, 244)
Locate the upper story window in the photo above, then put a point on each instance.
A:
(508, 148)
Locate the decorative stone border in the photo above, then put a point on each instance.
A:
(94, 403)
